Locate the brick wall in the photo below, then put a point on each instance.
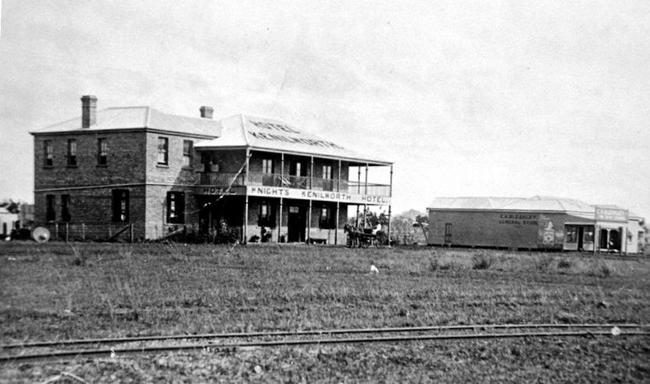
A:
(125, 160)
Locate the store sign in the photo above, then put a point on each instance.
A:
(611, 214)
(307, 194)
(517, 219)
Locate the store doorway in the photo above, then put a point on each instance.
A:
(296, 223)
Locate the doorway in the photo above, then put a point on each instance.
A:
(296, 223)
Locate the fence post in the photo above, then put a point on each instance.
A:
(56, 230)
(83, 231)
(131, 232)
(67, 232)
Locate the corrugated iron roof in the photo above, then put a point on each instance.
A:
(273, 135)
(140, 117)
(535, 203)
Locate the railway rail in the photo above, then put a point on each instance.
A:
(110, 347)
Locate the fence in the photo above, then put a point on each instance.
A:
(90, 231)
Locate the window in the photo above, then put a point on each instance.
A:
(571, 233)
(297, 169)
(448, 233)
(176, 207)
(266, 218)
(163, 146)
(327, 172)
(187, 153)
(72, 152)
(65, 208)
(267, 166)
(50, 214)
(102, 152)
(328, 184)
(326, 220)
(49, 153)
(120, 205)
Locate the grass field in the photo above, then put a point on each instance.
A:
(61, 291)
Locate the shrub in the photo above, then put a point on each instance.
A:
(544, 263)
(482, 260)
(434, 264)
(564, 264)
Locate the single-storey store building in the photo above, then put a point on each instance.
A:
(533, 223)
(254, 178)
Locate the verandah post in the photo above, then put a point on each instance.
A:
(246, 178)
(390, 194)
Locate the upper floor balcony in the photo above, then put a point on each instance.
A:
(223, 180)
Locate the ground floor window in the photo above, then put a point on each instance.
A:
(327, 218)
(65, 208)
(448, 233)
(176, 207)
(50, 214)
(266, 217)
(120, 205)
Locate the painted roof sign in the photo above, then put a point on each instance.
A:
(605, 213)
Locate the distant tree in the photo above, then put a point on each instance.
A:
(422, 219)
(10, 205)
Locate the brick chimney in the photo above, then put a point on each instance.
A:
(206, 112)
(88, 111)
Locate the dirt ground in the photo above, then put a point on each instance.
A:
(62, 291)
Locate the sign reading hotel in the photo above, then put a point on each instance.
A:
(611, 214)
(307, 194)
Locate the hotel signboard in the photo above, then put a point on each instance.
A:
(295, 193)
(309, 194)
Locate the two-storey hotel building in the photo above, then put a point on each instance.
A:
(256, 177)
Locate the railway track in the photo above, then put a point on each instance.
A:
(111, 347)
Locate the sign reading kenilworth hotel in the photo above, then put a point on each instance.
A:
(160, 172)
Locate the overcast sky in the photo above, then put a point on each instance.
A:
(485, 98)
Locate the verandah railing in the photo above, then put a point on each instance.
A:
(299, 182)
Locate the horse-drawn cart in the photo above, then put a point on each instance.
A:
(364, 238)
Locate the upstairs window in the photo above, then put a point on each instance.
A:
(120, 206)
(187, 153)
(327, 172)
(65, 208)
(267, 166)
(50, 214)
(48, 152)
(102, 152)
(72, 152)
(175, 207)
(163, 146)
